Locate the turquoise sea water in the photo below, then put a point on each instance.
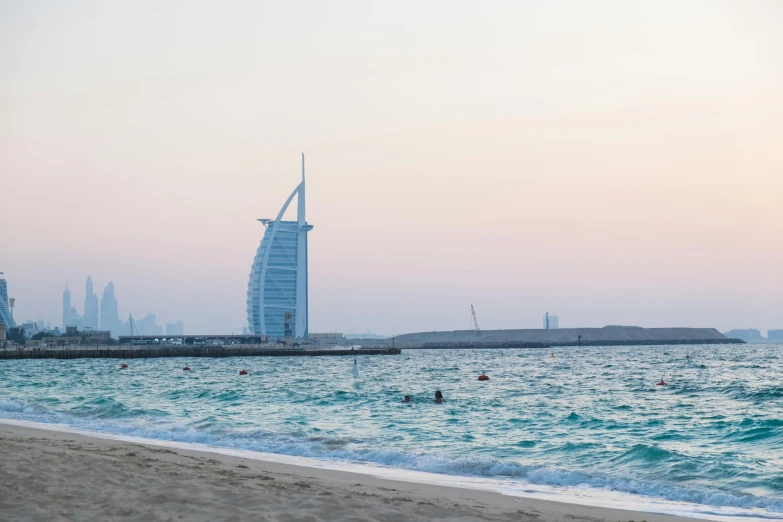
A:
(590, 420)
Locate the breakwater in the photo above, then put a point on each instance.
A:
(519, 344)
(607, 334)
(482, 346)
(212, 351)
(649, 342)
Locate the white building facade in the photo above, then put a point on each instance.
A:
(5, 308)
(277, 290)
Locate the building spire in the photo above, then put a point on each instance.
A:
(300, 210)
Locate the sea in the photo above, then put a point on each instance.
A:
(584, 425)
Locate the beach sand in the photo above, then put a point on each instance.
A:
(49, 475)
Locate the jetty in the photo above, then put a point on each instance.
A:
(123, 352)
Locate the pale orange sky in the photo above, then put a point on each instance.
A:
(613, 162)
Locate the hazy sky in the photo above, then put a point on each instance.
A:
(615, 162)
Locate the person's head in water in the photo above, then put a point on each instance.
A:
(438, 396)
(407, 398)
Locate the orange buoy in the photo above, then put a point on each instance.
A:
(124, 365)
(242, 372)
(186, 368)
(483, 377)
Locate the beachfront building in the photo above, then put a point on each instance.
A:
(277, 290)
(6, 317)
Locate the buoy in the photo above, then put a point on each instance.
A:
(186, 368)
(661, 383)
(483, 377)
(124, 365)
(553, 355)
(242, 372)
(355, 369)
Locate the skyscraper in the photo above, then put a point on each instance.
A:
(66, 307)
(277, 288)
(5, 310)
(177, 328)
(551, 322)
(110, 317)
(91, 307)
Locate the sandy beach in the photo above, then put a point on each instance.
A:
(49, 475)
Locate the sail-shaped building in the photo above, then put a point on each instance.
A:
(277, 290)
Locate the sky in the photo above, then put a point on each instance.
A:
(613, 162)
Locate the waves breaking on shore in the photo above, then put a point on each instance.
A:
(590, 419)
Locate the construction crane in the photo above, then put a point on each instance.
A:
(475, 321)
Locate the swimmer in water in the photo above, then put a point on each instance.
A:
(407, 398)
(438, 397)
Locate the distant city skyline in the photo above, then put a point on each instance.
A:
(105, 316)
(148, 325)
(616, 163)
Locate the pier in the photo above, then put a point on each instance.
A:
(110, 352)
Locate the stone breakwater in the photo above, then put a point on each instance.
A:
(606, 336)
(464, 346)
(516, 344)
(650, 342)
(566, 335)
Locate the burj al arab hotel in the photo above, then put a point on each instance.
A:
(277, 290)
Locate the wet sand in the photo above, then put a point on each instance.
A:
(49, 475)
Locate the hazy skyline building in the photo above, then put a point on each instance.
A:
(70, 316)
(110, 318)
(551, 322)
(91, 313)
(177, 328)
(146, 326)
(746, 334)
(66, 307)
(278, 277)
(5, 310)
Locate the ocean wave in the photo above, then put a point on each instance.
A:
(712, 437)
(350, 450)
(13, 406)
(108, 408)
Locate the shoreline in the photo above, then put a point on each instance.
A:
(114, 469)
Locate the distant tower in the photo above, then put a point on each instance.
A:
(110, 317)
(551, 322)
(91, 319)
(66, 307)
(278, 277)
(88, 293)
(5, 310)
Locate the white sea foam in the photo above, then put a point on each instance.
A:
(509, 479)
